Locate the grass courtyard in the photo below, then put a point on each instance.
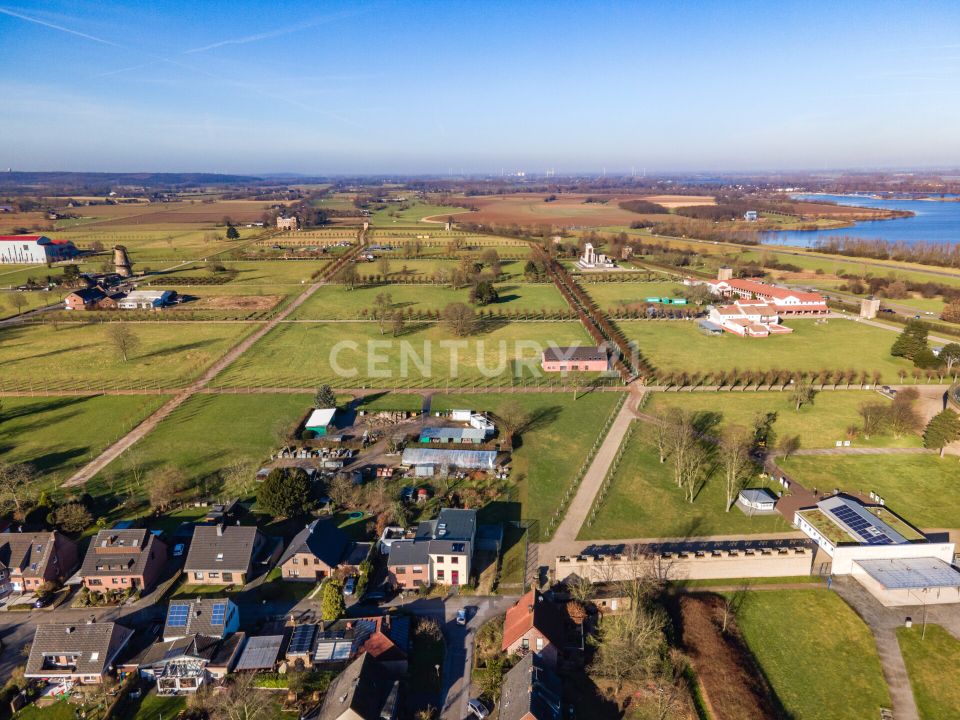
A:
(57, 435)
(933, 664)
(816, 652)
(818, 425)
(80, 356)
(610, 295)
(645, 502)
(923, 489)
(345, 354)
(812, 346)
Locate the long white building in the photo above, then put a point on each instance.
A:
(34, 249)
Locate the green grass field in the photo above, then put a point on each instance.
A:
(818, 425)
(609, 295)
(256, 273)
(835, 345)
(73, 356)
(816, 652)
(645, 502)
(208, 433)
(922, 489)
(552, 450)
(339, 302)
(57, 435)
(933, 664)
(299, 354)
(394, 214)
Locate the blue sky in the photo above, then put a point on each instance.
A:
(341, 87)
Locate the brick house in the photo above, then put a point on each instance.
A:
(121, 559)
(224, 555)
(315, 552)
(80, 653)
(534, 625)
(28, 560)
(440, 553)
(579, 358)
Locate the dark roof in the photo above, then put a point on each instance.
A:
(28, 553)
(409, 552)
(357, 553)
(530, 687)
(322, 539)
(199, 616)
(89, 294)
(450, 524)
(119, 552)
(574, 353)
(94, 645)
(231, 551)
(365, 688)
(260, 653)
(213, 651)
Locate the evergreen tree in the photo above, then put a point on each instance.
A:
(325, 397)
(332, 605)
(483, 293)
(286, 493)
(943, 429)
(911, 341)
(232, 233)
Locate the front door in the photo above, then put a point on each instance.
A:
(455, 577)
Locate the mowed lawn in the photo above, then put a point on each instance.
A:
(933, 664)
(71, 356)
(551, 451)
(645, 502)
(345, 354)
(211, 432)
(816, 652)
(819, 425)
(923, 489)
(341, 303)
(609, 295)
(57, 435)
(834, 345)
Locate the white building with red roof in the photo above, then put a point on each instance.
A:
(34, 249)
(749, 318)
(785, 300)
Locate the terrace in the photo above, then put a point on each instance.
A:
(819, 521)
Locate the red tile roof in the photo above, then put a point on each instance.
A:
(19, 238)
(532, 612)
(759, 288)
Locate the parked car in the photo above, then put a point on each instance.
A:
(350, 586)
(178, 549)
(476, 708)
(42, 601)
(462, 616)
(375, 596)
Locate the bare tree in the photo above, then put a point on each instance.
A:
(383, 265)
(629, 645)
(17, 302)
(663, 428)
(239, 701)
(237, 478)
(735, 456)
(459, 318)
(165, 486)
(17, 493)
(581, 590)
(788, 445)
(513, 419)
(382, 307)
(903, 416)
(123, 339)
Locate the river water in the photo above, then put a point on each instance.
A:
(934, 221)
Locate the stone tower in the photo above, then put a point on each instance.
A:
(121, 261)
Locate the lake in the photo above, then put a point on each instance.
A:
(934, 221)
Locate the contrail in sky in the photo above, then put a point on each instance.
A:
(36, 21)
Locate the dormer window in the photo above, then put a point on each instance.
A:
(219, 556)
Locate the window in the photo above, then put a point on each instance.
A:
(400, 571)
(295, 560)
(525, 643)
(316, 561)
(417, 569)
(114, 581)
(454, 560)
(95, 581)
(213, 576)
(94, 656)
(439, 575)
(439, 558)
(539, 644)
(198, 576)
(228, 577)
(219, 557)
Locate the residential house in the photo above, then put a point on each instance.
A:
(84, 654)
(315, 552)
(441, 551)
(533, 624)
(579, 358)
(28, 560)
(225, 554)
(365, 690)
(210, 617)
(385, 637)
(31, 249)
(531, 691)
(186, 664)
(122, 559)
(84, 299)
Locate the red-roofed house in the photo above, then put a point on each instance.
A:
(749, 318)
(28, 249)
(534, 625)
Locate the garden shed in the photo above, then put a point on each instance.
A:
(320, 420)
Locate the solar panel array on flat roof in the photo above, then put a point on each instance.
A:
(912, 573)
(218, 613)
(866, 530)
(301, 642)
(260, 653)
(177, 615)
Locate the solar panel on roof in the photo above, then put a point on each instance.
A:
(302, 639)
(177, 616)
(218, 613)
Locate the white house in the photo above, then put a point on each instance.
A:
(25, 249)
(146, 299)
(748, 318)
(784, 300)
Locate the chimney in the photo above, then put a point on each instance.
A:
(219, 530)
(69, 629)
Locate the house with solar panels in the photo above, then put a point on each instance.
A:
(897, 563)
(216, 617)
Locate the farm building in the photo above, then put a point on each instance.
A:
(586, 358)
(320, 420)
(85, 299)
(462, 459)
(288, 223)
(146, 299)
(452, 435)
(26, 249)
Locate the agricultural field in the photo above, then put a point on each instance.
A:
(207, 433)
(672, 346)
(299, 355)
(532, 209)
(341, 303)
(415, 212)
(921, 488)
(816, 652)
(933, 664)
(818, 425)
(152, 247)
(551, 450)
(80, 356)
(43, 431)
(645, 502)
